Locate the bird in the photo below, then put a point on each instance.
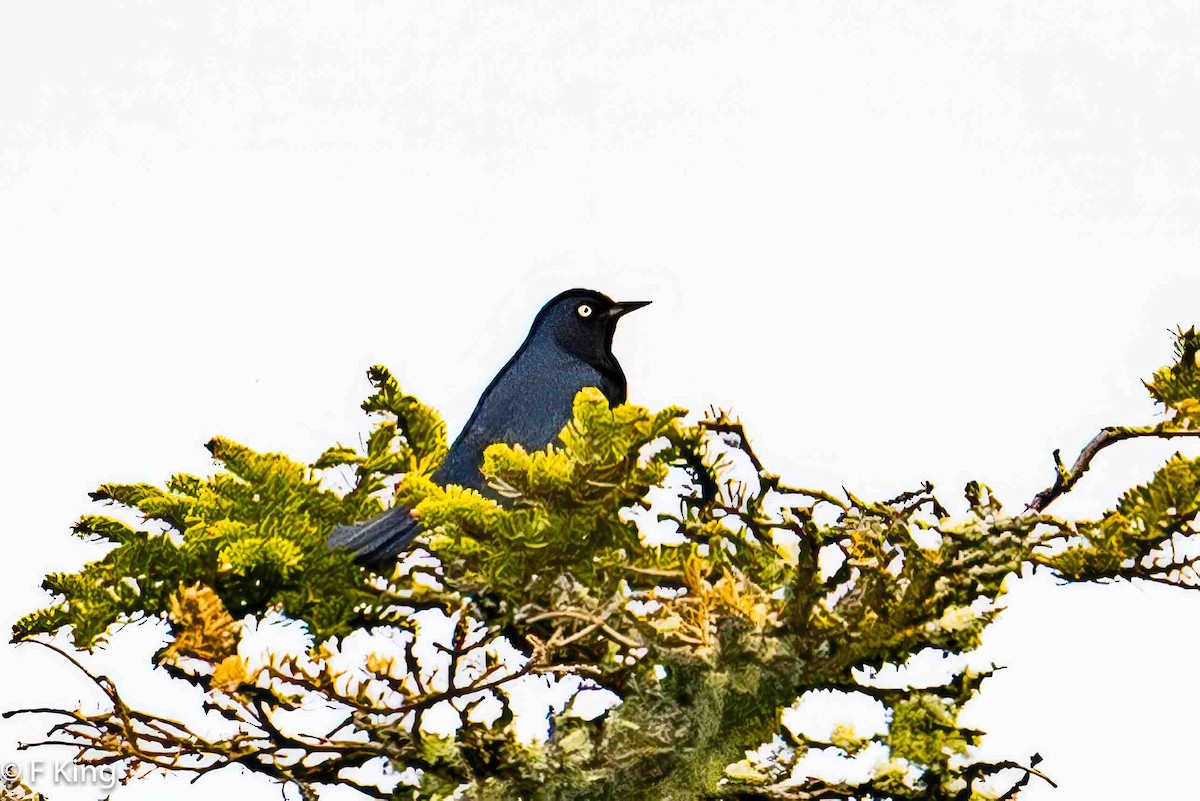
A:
(569, 347)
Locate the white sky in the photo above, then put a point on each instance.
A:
(903, 240)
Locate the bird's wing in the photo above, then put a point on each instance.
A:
(527, 404)
(379, 540)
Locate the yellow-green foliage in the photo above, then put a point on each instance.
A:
(255, 533)
(1147, 517)
(562, 505)
(1177, 386)
(707, 638)
(925, 731)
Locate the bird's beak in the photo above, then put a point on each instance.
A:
(625, 307)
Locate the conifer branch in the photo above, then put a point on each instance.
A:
(706, 639)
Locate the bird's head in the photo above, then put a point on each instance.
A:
(582, 322)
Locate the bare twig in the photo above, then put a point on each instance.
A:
(1066, 478)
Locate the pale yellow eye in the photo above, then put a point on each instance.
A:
(584, 310)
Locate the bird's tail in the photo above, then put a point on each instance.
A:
(379, 540)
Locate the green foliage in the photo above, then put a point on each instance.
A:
(569, 495)
(643, 553)
(1147, 518)
(254, 533)
(925, 731)
(1177, 386)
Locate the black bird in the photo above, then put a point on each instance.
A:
(569, 347)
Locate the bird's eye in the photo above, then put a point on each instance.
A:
(584, 310)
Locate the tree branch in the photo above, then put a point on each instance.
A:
(1067, 478)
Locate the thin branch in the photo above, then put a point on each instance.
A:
(1066, 478)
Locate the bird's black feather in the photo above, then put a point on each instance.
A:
(377, 541)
